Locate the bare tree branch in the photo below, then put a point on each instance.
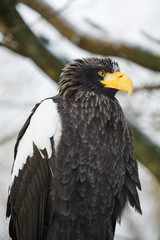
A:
(135, 54)
(146, 151)
(30, 44)
(148, 88)
(13, 46)
(151, 37)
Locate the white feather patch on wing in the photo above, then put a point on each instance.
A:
(44, 124)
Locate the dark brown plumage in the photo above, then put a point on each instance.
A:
(76, 182)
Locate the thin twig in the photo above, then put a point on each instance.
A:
(148, 88)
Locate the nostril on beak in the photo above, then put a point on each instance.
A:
(120, 76)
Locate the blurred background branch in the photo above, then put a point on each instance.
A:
(148, 88)
(27, 43)
(146, 151)
(97, 46)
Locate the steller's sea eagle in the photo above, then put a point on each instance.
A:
(74, 169)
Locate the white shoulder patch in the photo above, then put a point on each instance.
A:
(44, 124)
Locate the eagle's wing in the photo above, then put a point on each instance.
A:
(127, 178)
(29, 203)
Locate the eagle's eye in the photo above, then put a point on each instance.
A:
(102, 73)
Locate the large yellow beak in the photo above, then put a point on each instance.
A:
(118, 80)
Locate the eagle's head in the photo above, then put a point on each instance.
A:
(93, 74)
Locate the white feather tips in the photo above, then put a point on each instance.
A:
(44, 124)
